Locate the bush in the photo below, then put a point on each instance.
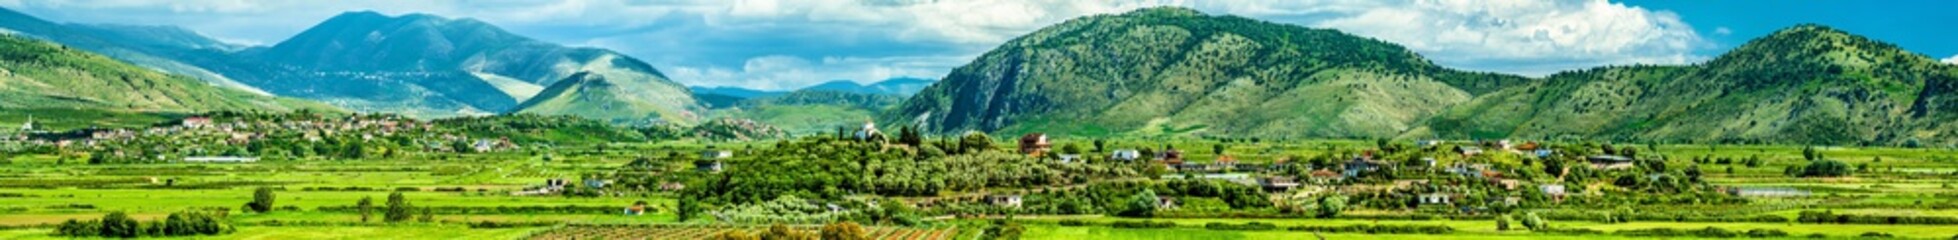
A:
(1766, 233)
(1141, 224)
(843, 231)
(261, 200)
(1876, 235)
(1073, 223)
(119, 225)
(1832, 217)
(1377, 229)
(1249, 226)
(398, 209)
(1531, 221)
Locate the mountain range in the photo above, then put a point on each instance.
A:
(1164, 71)
(415, 64)
(1178, 72)
(39, 76)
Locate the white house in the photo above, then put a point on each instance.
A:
(1126, 155)
(1012, 201)
(1436, 198)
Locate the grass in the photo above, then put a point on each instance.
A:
(29, 203)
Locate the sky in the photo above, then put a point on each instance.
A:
(788, 44)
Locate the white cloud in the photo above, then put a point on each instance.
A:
(758, 43)
(1528, 37)
(1951, 60)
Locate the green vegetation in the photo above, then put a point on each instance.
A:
(39, 76)
(1177, 72)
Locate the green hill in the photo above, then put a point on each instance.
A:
(810, 111)
(1178, 72)
(620, 97)
(1804, 84)
(1175, 71)
(37, 76)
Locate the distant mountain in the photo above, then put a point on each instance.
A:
(434, 65)
(1807, 84)
(1176, 71)
(902, 86)
(155, 47)
(38, 75)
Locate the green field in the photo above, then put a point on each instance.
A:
(39, 191)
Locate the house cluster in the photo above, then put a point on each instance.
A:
(200, 130)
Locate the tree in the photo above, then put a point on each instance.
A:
(845, 230)
(909, 136)
(1534, 223)
(1809, 153)
(735, 235)
(1142, 204)
(1502, 223)
(781, 232)
(398, 208)
(1824, 168)
(974, 142)
(118, 225)
(1218, 149)
(686, 207)
(1071, 149)
(366, 207)
(1330, 206)
(428, 215)
(261, 200)
(1693, 174)
(1099, 144)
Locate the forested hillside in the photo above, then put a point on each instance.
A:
(1175, 71)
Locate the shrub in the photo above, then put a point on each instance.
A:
(261, 200)
(1766, 233)
(1141, 224)
(1377, 229)
(843, 231)
(119, 225)
(1073, 223)
(1876, 235)
(1502, 223)
(1531, 221)
(398, 209)
(1249, 226)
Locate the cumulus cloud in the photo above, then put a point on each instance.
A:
(1527, 37)
(786, 44)
(1951, 60)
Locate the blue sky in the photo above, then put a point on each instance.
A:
(786, 44)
